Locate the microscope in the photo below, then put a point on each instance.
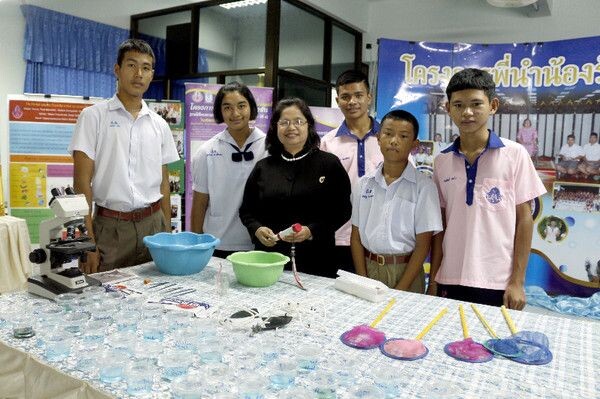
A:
(62, 239)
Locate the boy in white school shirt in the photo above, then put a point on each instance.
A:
(395, 211)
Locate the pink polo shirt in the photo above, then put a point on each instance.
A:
(479, 238)
(358, 157)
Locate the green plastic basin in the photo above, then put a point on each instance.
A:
(257, 268)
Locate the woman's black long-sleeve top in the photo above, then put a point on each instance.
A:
(313, 191)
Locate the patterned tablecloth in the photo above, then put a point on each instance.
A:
(322, 313)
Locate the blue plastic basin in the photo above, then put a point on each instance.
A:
(182, 253)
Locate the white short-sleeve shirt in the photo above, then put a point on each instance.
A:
(592, 152)
(389, 217)
(214, 173)
(128, 153)
(571, 152)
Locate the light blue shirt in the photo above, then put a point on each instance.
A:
(389, 217)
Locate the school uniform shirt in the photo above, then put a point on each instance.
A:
(358, 157)
(480, 202)
(312, 189)
(389, 217)
(571, 152)
(592, 152)
(128, 153)
(216, 174)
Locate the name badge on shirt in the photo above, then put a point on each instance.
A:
(368, 193)
(214, 153)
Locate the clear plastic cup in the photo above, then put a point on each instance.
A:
(139, 376)
(175, 363)
(178, 320)
(127, 320)
(75, 321)
(123, 342)
(387, 379)
(153, 329)
(270, 349)
(296, 393)
(135, 303)
(282, 373)
(252, 386)
(57, 345)
(367, 392)
(111, 366)
(152, 311)
(324, 385)
(94, 332)
(148, 350)
(103, 310)
(67, 301)
(210, 351)
(93, 290)
(87, 360)
(188, 387)
(22, 325)
(50, 316)
(308, 356)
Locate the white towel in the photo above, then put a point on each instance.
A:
(15, 246)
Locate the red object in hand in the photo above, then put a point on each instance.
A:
(295, 228)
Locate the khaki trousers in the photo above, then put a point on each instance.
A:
(121, 243)
(390, 275)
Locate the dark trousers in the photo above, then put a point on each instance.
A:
(121, 242)
(223, 254)
(343, 258)
(471, 294)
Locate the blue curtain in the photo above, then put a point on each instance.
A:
(75, 56)
(69, 55)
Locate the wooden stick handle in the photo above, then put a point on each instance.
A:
(508, 319)
(431, 324)
(383, 312)
(483, 321)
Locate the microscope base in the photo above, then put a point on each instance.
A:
(48, 288)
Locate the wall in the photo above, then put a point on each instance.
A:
(431, 20)
(12, 70)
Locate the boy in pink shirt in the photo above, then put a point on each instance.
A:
(354, 142)
(485, 185)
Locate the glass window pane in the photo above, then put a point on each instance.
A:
(301, 37)
(231, 39)
(169, 37)
(342, 52)
(312, 92)
(248, 80)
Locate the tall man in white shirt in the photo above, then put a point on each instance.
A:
(570, 154)
(354, 142)
(591, 157)
(121, 150)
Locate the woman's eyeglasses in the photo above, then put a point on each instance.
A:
(284, 123)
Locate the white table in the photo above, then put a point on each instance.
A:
(574, 343)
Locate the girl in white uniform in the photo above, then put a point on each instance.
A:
(221, 167)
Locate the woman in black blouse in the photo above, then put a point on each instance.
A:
(297, 183)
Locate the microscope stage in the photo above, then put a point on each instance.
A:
(48, 288)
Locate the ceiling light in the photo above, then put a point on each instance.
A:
(510, 3)
(243, 3)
